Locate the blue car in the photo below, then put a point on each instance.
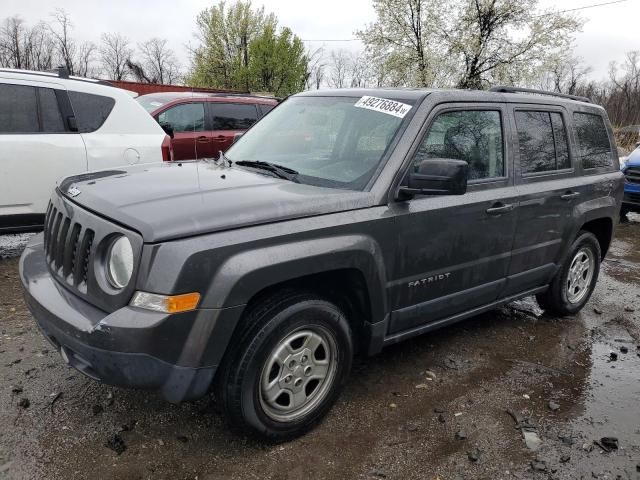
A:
(631, 170)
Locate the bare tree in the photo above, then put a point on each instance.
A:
(339, 62)
(360, 70)
(24, 47)
(565, 74)
(65, 46)
(159, 62)
(84, 60)
(114, 51)
(76, 58)
(315, 69)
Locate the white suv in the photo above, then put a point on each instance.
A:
(52, 126)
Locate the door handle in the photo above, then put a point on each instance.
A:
(500, 208)
(570, 195)
(220, 137)
(202, 139)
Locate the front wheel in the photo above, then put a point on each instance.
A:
(573, 285)
(284, 373)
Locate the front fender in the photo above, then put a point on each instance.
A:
(244, 274)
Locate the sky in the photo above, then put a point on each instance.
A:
(610, 30)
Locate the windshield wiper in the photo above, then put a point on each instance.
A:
(278, 170)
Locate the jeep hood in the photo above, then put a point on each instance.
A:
(172, 200)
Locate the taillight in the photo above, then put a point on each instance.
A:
(167, 152)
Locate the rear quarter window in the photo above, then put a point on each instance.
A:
(594, 146)
(91, 111)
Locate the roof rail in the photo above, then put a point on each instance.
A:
(505, 89)
(60, 72)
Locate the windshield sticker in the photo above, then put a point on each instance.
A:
(382, 105)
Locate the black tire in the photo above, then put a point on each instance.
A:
(263, 329)
(555, 300)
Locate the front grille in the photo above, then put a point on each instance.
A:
(632, 174)
(68, 246)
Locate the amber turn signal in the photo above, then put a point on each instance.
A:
(166, 303)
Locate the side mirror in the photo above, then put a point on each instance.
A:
(437, 176)
(237, 136)
(168, 129)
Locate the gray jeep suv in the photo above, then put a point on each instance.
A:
(343, 222)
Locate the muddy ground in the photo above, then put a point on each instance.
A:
(436, 407)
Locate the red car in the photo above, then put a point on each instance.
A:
(203, 124)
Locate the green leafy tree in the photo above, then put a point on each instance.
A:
(222, 59)
(277, 62)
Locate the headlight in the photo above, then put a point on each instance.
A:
(120, 262)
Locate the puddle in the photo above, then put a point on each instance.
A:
(612, 403)
(13, 245)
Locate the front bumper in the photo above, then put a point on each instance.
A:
(129, 347)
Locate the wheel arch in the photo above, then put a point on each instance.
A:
(347, 270)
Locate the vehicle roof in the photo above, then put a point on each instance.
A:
(419, 94)
(73, 83)
(167, 97)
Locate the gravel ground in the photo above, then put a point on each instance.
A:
(455, 404)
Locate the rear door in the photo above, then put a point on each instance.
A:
(191, 140)
(548, 192)
(37, 147)
(229, 119)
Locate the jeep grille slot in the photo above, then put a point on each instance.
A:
(632, 174)
(68, 247)
(82, 262)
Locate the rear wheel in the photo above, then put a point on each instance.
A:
(573, 285)
(283, 374)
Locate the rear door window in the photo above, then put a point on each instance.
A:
(18, 109)
(91, 111)
(187, 117)
(233, 116)
(593, 141)
(543, 141)
(50, 111)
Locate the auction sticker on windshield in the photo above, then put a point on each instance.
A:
(390, 107)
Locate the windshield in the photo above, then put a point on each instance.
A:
(335, 142)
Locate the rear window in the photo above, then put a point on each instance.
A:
(543, 141)
(593, 141)
(90, 110)
(18, 109)
(233, 116)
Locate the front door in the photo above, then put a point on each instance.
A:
(454, 251)
(190, 139)
(548, 191)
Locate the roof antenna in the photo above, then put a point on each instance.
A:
(62, 71)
